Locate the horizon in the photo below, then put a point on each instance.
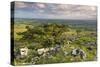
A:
(57, 19)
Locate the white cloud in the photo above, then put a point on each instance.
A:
(59, 10)
(40, 5)
(19, 4)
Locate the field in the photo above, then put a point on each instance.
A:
(54, 41)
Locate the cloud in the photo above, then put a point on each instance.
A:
(20, 4)
(40, 5)
(48, 10)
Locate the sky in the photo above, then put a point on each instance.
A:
(54, 11)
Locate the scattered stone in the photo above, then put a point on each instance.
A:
(78, 52)
(24, 52)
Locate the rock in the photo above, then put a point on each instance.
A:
(66, 53)
(24, 51)
(78, 52)
(75, 52)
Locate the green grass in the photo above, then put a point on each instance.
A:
(59, 57)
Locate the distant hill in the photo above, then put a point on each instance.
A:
(74, 23)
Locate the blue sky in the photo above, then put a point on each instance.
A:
(54, 11)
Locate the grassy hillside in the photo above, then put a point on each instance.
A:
(37, 34)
